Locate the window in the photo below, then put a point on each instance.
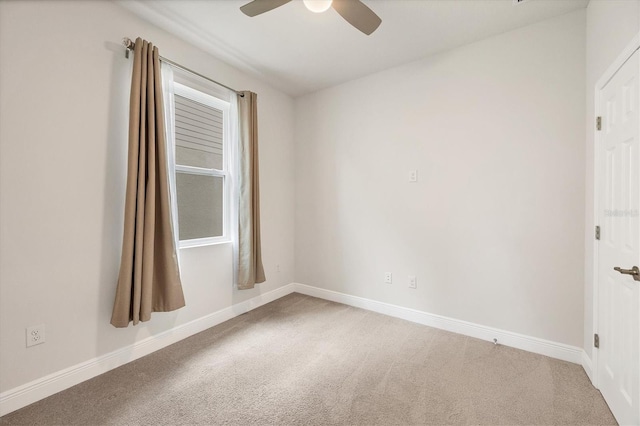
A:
(202, 164)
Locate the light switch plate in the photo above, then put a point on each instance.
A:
(412, 281)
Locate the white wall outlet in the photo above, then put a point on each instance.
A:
(413, 176)
(35, 335)
(412, 281)
(277, 268)
(387, 277)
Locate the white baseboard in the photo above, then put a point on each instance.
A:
(36, 390)
(507, 338)
(588, 366)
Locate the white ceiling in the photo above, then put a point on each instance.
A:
(300, 52)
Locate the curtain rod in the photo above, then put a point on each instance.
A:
(130, 44)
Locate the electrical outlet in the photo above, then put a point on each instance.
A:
(277, 268)
(35, 335)
(387, 277)
(412, 281)
(413, 176)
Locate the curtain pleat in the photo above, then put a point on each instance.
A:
(149, 279)
(250, 269)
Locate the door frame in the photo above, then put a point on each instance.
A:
(626, 53)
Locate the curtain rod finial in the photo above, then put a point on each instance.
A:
(128, 44)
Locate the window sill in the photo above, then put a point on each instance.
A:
(201, 243)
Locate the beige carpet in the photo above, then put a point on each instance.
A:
(301, 360)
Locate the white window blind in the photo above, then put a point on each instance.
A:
(199, 134)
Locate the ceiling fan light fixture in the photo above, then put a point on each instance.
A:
(354, 12)
(318, 6)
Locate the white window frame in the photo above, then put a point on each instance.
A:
(225, 173)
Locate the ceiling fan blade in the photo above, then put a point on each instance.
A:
(256, 7)
(357, 14)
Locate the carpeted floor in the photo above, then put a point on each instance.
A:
(306, 361)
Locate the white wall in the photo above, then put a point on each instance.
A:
(63, 132)
(494, 227)
(611, 25)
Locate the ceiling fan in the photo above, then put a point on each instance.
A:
(353, 11)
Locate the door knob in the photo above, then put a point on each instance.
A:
(634, 272)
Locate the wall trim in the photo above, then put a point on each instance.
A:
(507, 338)
(161, 16)
(587, 365)
(38, 389)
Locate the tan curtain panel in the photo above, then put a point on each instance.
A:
(149, 279)
(250, 270)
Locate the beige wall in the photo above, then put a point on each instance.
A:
(63, 125)
(611, 25)
(493, 229)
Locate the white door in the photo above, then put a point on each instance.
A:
(618, 368)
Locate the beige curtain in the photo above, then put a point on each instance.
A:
(250, 270)
(149, 279)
